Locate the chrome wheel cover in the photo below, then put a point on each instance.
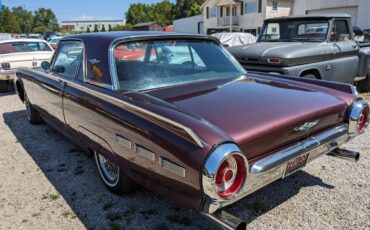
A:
(108, 170)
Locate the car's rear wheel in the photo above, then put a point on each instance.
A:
(32, 115)
(3, 86)
(112, 175)
(310, 75)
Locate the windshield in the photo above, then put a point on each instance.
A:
(154, 64)
(295, 30)
(19, 47)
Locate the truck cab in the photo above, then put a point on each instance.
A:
(321, 47)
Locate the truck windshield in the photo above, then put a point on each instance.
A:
(153, 64)
(295, 30)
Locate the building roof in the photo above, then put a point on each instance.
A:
(92, 21)
(311, 16)
(145, 24)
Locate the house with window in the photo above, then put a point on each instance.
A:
(242, 15)
(248, 15)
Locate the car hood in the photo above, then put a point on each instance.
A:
(284, 50)
(258, 114)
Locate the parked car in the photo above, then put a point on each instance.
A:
(203, 133)
(35, 36)
(358, 35)
(49, 34)
(367, 35)
(20, 53)
(54, 41)
(288, 46)
(235, 38)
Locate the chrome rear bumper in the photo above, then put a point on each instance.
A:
(272, 168)
(6, 75)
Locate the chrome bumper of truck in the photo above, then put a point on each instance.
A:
(273, 167)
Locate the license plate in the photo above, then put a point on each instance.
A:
(296, 163)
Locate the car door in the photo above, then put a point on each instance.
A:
(345, 52)
(64, 67)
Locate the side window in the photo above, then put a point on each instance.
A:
(68, 59)
(340, 31)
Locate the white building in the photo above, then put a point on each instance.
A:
(192, 25)
(82, 25)
(248, 15)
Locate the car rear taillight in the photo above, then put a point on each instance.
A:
(5, 65)
(230, 176)
(359, 117)
(363, 120)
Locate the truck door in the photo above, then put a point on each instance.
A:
(345, 52)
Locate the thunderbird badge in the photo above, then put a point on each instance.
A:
(306, 126)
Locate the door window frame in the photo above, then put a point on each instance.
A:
(333, 29)
(81, 64)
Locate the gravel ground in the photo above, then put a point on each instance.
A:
(46, 182)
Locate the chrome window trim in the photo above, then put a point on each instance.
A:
(272, 168)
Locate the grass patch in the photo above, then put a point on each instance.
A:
(112, 216)
(54, 196)
(36, 214)
(177, 219)
(69, 214)
(24, 220)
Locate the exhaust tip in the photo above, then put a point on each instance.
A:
(345, 154)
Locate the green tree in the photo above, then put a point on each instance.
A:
(162, 12)
(126, 27)
(187, 8)
(103, 29)
(96, 28)
(139, 12)
(8, 22)
(88, 30)
(110, 27)
(25, 19)
(46, 17)
(40, 29)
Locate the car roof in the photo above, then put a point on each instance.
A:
(109, 37)
(311, 16)
(22, 40)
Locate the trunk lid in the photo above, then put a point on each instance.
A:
(259, 115)
(28, 60)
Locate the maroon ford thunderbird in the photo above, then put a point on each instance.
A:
(182, 118)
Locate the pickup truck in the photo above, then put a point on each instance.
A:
(314, 46)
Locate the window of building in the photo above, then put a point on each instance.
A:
(251, 6)
(213, 12)
(275, 5)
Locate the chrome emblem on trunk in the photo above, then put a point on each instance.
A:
(306, 126)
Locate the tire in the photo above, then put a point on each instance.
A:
(112, 176)
(33, 116)
(3, 86)
(310, 75)
(364, 85)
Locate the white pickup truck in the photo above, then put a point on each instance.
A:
(21, 53)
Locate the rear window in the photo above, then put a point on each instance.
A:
(154, 64)
(19, 47)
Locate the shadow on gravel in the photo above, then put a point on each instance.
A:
(73, 174)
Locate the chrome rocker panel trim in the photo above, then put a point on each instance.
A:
(272, 168)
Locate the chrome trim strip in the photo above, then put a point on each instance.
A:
(172, 167)
(194, 138)
(145, 153)
(272, 168)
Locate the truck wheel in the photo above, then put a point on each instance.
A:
(364, 85)
(310, 75)
(3, 86)
(112, 176)
(32, 115)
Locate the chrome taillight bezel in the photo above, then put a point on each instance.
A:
(212, 165)
(354, 117)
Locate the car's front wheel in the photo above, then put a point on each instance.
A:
(32, 115)
(112, 176)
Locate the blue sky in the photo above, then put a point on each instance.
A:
(78, 9)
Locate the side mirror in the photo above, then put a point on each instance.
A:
(45, 65)
(59, 69)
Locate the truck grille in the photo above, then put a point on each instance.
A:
(5, 65)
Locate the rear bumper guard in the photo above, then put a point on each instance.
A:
(272, 168)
